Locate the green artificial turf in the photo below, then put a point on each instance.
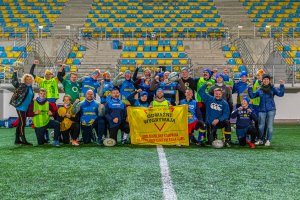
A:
(133, 172)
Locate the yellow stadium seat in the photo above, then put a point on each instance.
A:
(69, 61)
(174, 55)
(147, 55)
(167, 48)
(239, 61)
(8, 48)
(73, 68)
(125, 55)
(293, 48)
(132, 55)
(173, 42)
(10, 55)
(161, 62)
(279, 48)
(154, 43)
(140, 48)
(180, 48)
(79, 55)
(127, 43)
(160, 48)
(123, 68)
(16, 54)
(139, 62)
(134, 43)
(74, 48)
(232, 48)
(183, 62)
(147, 43)
(168, 62)
(176, 69)
(153, 55)
(235, 68)
(228, 55)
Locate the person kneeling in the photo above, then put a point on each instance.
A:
(90, 110)
(244, 123)
(42, 111)
(68, 122)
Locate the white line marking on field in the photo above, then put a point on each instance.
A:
(168, 189)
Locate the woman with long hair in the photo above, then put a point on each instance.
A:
(267, 107)
(21, 100)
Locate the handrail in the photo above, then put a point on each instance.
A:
(64, 50)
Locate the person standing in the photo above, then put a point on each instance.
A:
(126, 85)
(21, 100)
(188, 82)
(267, 107)
(89, 83)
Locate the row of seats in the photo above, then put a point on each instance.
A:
(153, 62)
(153, 55)
(234, 60)
(153, 43)
(154, 48)
(281, 16)
(290, 53)
(20, 16)
(168, 68)
(130, 19)
(74, 58)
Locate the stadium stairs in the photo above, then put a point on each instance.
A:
(233, 14)
(74, 15)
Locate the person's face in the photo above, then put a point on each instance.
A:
(185, 74)
(127, 76)
(48, 75)
(266, 81)
(42, 94)
(147, 73)
(147, 81)
(259, 77)
(89, 95)
(73, 78)
(166, 75)
(218, 94)
(159, 94)
(188, 94)
(67, 100)
(95, 76)
(144, 98)
(226, 72)
(115, 94)
(205, 75)
(244, 78)
(244, 103)
(215, 71)
(28, 80)
(107, 76)
(220, 79)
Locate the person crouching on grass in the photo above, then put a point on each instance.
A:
(42, 111)
(90, 112)
(244, 123)
(68, 122)
(115, 113)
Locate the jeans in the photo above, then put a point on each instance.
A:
(266, 119)
(53, 124)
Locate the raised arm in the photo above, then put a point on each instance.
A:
(117, 81)
(15, 81)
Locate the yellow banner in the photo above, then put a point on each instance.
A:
(159, 125)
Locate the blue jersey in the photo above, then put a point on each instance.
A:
(193, 112)
(146, 88)
(89, 112)
(169, 90)
(115, 108)
(244, 117)
(126, 88)
(90, 84)
(215, 109)
(107, 88)
(241, 88)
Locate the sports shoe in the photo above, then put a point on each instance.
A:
(252, 145)
(75, 143)
(268, 143)
(56, 143)
(258, 142)
(227, 144)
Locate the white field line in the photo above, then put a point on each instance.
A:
(168, 189)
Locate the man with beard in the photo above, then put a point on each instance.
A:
(125, 84)
(188, 81)
(159, 99)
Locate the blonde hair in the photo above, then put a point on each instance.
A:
(25, 76)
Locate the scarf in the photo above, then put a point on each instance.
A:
(266, 89)
(40, 100)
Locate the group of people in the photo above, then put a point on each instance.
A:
(209, 100)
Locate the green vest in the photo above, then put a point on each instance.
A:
(256, 100)
(51, 87)
(158, 103)
(229, 83)
(72, 89)
(43, 118)
(199, 85)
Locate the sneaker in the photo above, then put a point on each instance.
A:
(56, 143)
(252, 145)
(258, 142)
(227, 144)
(268, 143)
(75, 143)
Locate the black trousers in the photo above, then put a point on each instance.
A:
(40, 132)
(113, 132)
(20, 133)
(212, 131)
(73, 131)
(242, 134)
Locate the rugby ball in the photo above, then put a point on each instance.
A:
(109, 142)
(173, 77)
(18, 65)
(218, 144)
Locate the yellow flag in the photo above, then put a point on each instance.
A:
(159, 125)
